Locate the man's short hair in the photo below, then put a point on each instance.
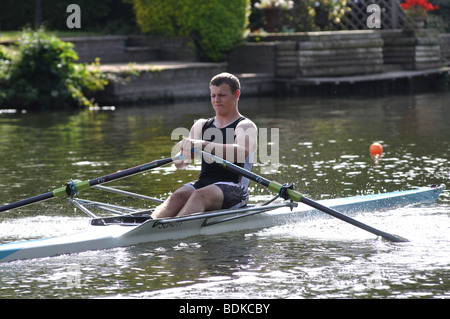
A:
(227, 78)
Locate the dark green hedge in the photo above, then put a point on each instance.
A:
(214, 26)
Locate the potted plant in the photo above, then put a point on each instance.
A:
(417, 11)
(272, 12)
(327, 12)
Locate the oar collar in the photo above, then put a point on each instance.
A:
(71, 189)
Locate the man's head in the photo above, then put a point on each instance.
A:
(226, 78)
(225, 92)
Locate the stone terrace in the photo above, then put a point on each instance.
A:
(149, 69)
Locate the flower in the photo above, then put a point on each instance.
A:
(318, 3)
(283, 4)
(418, 8)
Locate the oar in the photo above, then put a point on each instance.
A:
(73, 188)
(296, 196)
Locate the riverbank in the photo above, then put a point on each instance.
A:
(309, 63)
(176, 81)
(172, 81)
(151, 69)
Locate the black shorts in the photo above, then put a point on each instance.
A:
(234, 195)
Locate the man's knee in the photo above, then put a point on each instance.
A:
(183, 193)
(211, 196)
(174, 203)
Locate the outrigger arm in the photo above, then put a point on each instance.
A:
(74, 187)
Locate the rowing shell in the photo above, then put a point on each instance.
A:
(151, 230)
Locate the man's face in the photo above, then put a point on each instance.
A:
(223, 100)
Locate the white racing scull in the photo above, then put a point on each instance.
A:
(131, 227)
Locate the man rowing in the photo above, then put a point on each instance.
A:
(228, 135)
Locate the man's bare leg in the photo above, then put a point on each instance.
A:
(174, 203)
(207, 198)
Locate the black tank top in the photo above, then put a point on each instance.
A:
(212, 173)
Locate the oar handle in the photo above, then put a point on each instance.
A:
(131, 171)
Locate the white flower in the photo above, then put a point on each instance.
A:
(284, 4)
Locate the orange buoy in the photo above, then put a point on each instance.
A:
(376, 150)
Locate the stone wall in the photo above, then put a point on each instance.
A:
(274, 63)
(109, 49)
(307, 54)
(411, 50)
(445, 48)
(338, 53)
(171, 81)
(162, 48)
(345, 53)
(132, 48)
(253, 57)
(286, 63)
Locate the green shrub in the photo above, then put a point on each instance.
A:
(5, 66)
(439, 19)
(214, 26)
(43, 74)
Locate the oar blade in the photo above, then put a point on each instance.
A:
(345, 218)
(394, 238)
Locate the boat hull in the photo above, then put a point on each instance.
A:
(104, 237)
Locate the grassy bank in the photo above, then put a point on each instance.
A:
(10, 36)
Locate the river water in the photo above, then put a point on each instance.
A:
(323, 148)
